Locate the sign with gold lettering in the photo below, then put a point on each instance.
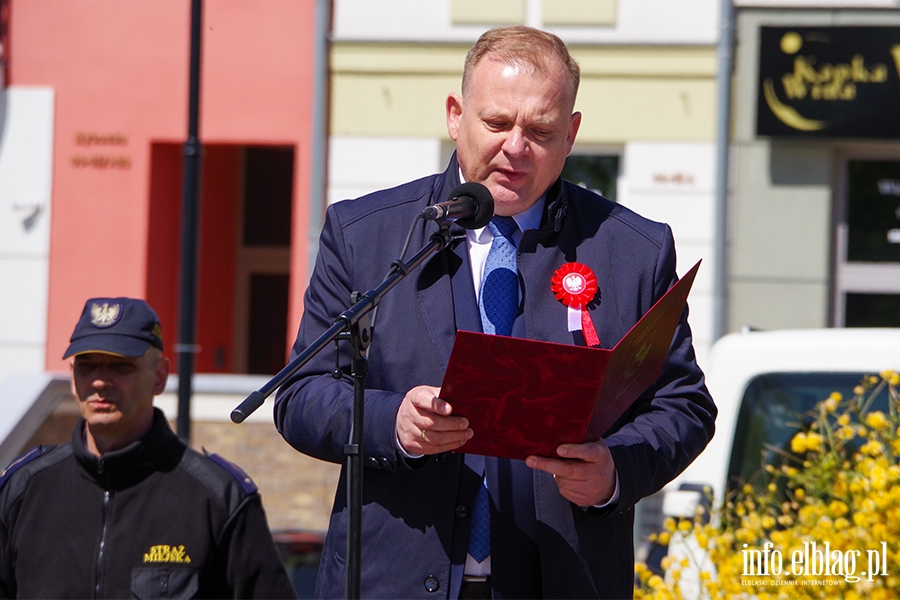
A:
(829, 82)
(108, 156)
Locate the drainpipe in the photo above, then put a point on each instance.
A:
(723, 128)
(319, 157)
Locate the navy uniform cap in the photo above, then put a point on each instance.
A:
(119, 326)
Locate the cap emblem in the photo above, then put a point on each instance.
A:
(105, 314)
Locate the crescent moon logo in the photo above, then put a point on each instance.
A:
(786, 114)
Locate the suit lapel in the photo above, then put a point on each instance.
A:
(446, 297)
(444, 288)
(545, 316)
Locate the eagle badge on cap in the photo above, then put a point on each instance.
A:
(105, 314)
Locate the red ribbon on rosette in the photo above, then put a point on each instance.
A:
(575, 285)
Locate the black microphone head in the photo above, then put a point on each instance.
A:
(484, 204)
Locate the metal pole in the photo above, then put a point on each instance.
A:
(319, 128)
(723, 128)
(190, 228)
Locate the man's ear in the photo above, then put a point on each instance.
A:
(574, 124)
(454, 113)
(72, 379)
(163, 367)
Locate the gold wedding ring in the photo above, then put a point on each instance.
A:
(424, 439)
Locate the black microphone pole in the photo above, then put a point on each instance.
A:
(355, 321)
(186, 348)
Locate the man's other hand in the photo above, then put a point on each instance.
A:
(585, 475)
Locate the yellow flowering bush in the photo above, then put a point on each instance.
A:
(825, 523)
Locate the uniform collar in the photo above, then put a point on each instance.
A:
(159, 449)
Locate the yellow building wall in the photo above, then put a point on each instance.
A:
(627, 93)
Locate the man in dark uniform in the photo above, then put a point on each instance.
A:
(126, 509)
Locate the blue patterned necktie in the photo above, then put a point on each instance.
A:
(499, 304)
(499, 298)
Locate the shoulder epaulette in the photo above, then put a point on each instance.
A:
(238, 473)
(22, 460)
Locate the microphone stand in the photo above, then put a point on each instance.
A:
(353, 324)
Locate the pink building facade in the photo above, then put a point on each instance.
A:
(114, 77)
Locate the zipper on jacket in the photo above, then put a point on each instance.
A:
(102, 550)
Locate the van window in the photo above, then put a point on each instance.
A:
(774, 407)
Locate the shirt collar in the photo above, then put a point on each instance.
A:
(531, 218)
(528, 219)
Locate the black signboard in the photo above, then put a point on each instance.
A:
(829, 82)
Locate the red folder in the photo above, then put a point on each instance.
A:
(525, 397)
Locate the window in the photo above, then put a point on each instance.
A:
(867, 272)
(598, 173)
(772, 408)
(873, 211)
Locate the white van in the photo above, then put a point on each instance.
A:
(762, 383)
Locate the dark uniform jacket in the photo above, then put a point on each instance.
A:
(154, 520)
(416, 514)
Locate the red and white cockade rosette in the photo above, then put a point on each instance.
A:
(575, 285)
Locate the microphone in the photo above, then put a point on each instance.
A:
(470, 205)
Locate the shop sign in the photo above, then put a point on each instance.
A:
(829, 82)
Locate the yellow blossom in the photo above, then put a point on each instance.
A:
(877, 420)
(843, 433)
(872, 448)
(840, 487)
(813, 442)
(838, 508)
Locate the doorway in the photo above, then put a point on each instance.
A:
(244, 261)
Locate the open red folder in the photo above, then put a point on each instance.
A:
(525, 397)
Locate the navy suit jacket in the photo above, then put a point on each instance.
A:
(416, 512)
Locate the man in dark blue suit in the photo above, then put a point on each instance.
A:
(559, 526)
